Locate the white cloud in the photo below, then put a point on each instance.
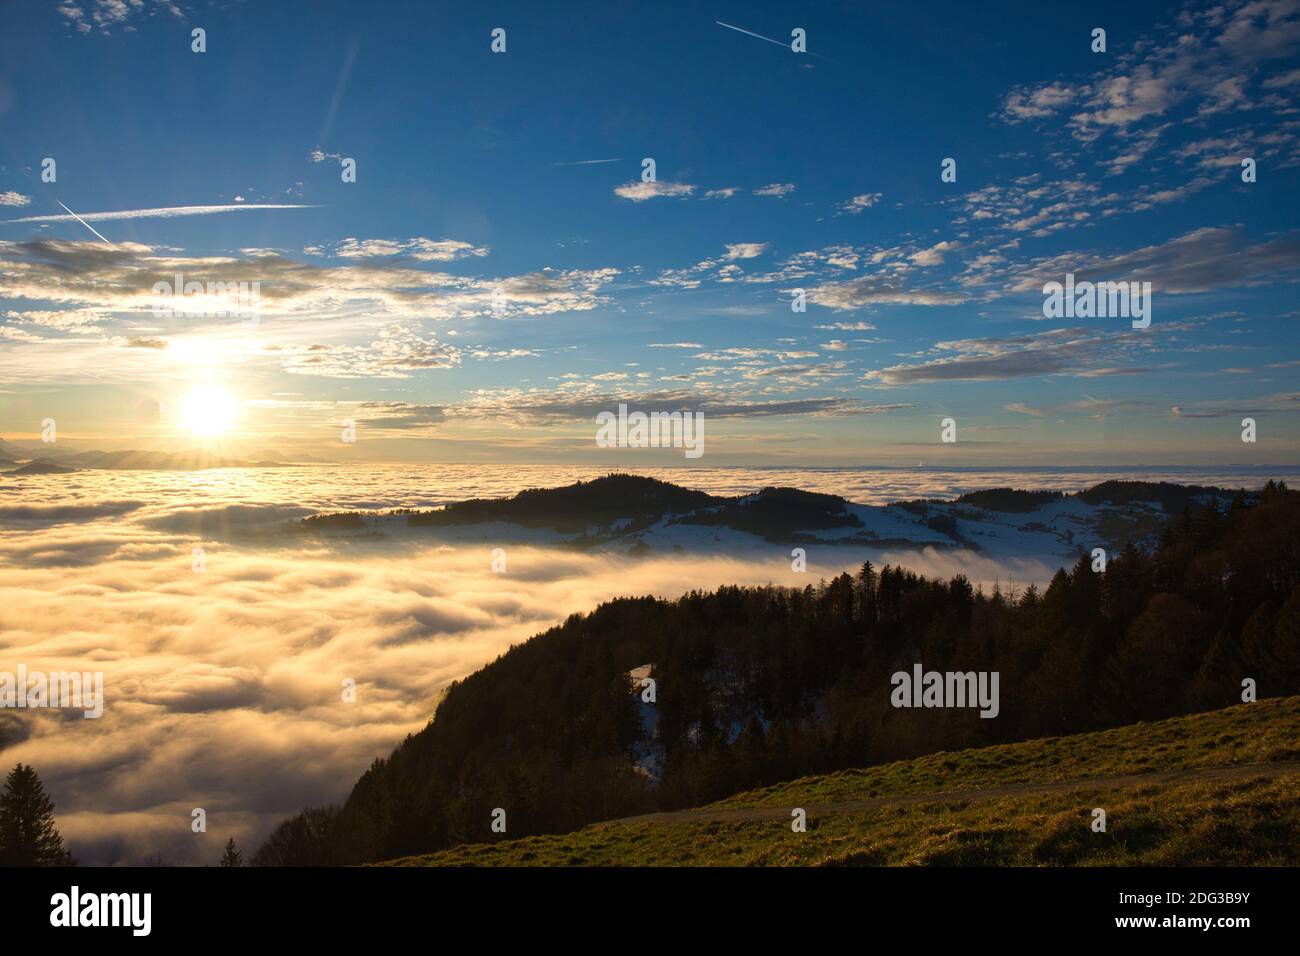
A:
(1206, 63)
(421, 249)
(640, 192)
(934, 255)
(303, 300)
(745, 250)
(858, 203)
(87, 15)
(872, 290)
(846, 327)
(394, 354)
(1023, 105)
(1198, 261)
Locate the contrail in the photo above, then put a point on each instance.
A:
(82, 221)
(164, 212)
(750, 33)
(747, 33)
(587, 162)
(339, 87)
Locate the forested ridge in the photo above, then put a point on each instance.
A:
(757, 685)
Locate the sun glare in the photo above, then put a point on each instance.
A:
(208, 411)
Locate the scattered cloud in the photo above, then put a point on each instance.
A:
(744, 250)
(1198, 261)
(858, 203)
(932, 256)
(87, 16)
(640, 192)
(420, 249)
(871, 290)
(1078, 351)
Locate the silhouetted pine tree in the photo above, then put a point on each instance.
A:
(232, 857)
(27, 833)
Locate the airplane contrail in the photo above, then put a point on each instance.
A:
(163, 212)
(80, 220)
(748, 33)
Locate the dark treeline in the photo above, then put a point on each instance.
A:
(756, 685)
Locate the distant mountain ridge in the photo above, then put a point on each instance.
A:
(130, 460)
(42, 467)
(639, 513)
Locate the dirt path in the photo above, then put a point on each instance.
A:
(1195, 774)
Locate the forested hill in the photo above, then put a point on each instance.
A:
(757, 685)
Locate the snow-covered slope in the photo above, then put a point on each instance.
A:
(635, 515)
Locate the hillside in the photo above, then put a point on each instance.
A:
(1217, 788)
(631, 500)
(760, 685)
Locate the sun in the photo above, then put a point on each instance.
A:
(208, 411)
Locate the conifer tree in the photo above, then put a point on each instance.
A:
(232, 857)
(27, 833)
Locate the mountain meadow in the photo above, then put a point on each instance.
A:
(1219, 788)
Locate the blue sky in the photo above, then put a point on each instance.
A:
(489, 282)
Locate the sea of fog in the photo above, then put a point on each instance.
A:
(359, 486)
(223, 678)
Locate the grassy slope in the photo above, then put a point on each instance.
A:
(1245, 821)
(1262, 732)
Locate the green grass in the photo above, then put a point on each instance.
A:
(1263, 732)
(1250, 820)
